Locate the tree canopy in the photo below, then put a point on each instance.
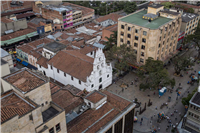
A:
(180, 63)
(154, 75)
(168, 5)
(196, 39)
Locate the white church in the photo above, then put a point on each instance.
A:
(78, 68)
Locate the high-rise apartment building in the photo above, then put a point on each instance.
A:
(152, 32)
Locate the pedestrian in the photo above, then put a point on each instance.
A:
(158, 128)
(159, 96)
(180, 114)
(154, 115)
(179, 84)
(140, 123)
(151, 118)
(154, 93)
(141, 119)
(175, 118)
(195, 71)
(156, 107)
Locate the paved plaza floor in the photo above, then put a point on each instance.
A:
(133, 92)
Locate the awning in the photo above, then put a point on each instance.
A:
(24, 63)
(18, 59)
(32, 67)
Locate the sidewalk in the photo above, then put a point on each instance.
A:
(133, 92)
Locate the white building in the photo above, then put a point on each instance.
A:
(84, 71)
(7, 57)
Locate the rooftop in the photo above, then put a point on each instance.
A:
(112, 27)
(54, 46)
(12, 104)
(155, 5)
(112, 16)
(4, 53)
(24, 80)
(49, 113)
(38, 20)
(93, 120)
(42, 61)
(6, 20)
(196, 99)
(24, 15)
(73, 63)
(66, 99)
(95, 96)
(186, 17)
(136, 18)
(3, 62)
(169, 12)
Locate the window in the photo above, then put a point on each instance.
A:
(129, 28)
(122, 26)
(100, 73)
(79, 82)
(57, 71)
(128, 42)
(158, 51)
(142, 53)
(162, 49)
(169, 26)
(135, 51)
(72, 78)
(143, 40)
(100, 80)
(107, 75)
(121, 40)
(144, 33)
(129, 35)
(159, 45)
(141, 60)
(136, 37)
(58, 127)
(46, 102)
(160, 38)
(165, 28)
(143, 47)
(166, 46)
(168, 33)
(172, 37)
(163, 42)
(164, 35)
(166, 53)
(122, 33)
(52, 67)
(40, 66)
(160, 31)
(136, 31)
(51, 130)
(42, 104)
(98, 67)
(92, 85)
(65, 74)
(135, 44)
(170, 44)
(169, 50)
(168, 40)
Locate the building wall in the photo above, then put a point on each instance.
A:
(15, 25)
(5, 69)
(32, 60)
(9, 60)
(167, 42)
(92, 82)
(22, 55)
(190, 26)
(41, 95)
(154, 10)
(107, 23)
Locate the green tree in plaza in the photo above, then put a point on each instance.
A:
(112, 40)
(168, 5)
(196, 39)
(186, 100)
(154, 75)
(180, 63)
(130, 7)
(123, 54)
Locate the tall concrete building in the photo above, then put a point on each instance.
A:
(192, 120)
(152, 32)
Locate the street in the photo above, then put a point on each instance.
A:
(133, 92)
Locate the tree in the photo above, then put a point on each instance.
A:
(130, 7)
(180, 63)
(112, 40)
(196, 39)
(186, 100)
(173, 83)
(189, 10)
(124, 55)
(168, 5)
(154, 75)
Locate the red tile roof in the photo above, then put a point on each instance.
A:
(35, 54)
(6, 20)
(66, 99)
(109, 110)
(12, 105)
(24, 79)
(25, 48)
(77, 65)
(112, 16)
(54, 87)
(112, 27)
(95, 97)
(24, 15)
(17, 34)
(43, 62)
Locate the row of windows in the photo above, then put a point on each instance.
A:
(136, 30)
(195, 108)
(194, 116)
(136, 38)
(57, 128)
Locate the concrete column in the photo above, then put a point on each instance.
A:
(123, 123)
(125, 33)
(113, 128)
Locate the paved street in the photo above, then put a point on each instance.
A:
(133, 92)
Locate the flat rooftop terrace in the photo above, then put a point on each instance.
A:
(137, 19)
